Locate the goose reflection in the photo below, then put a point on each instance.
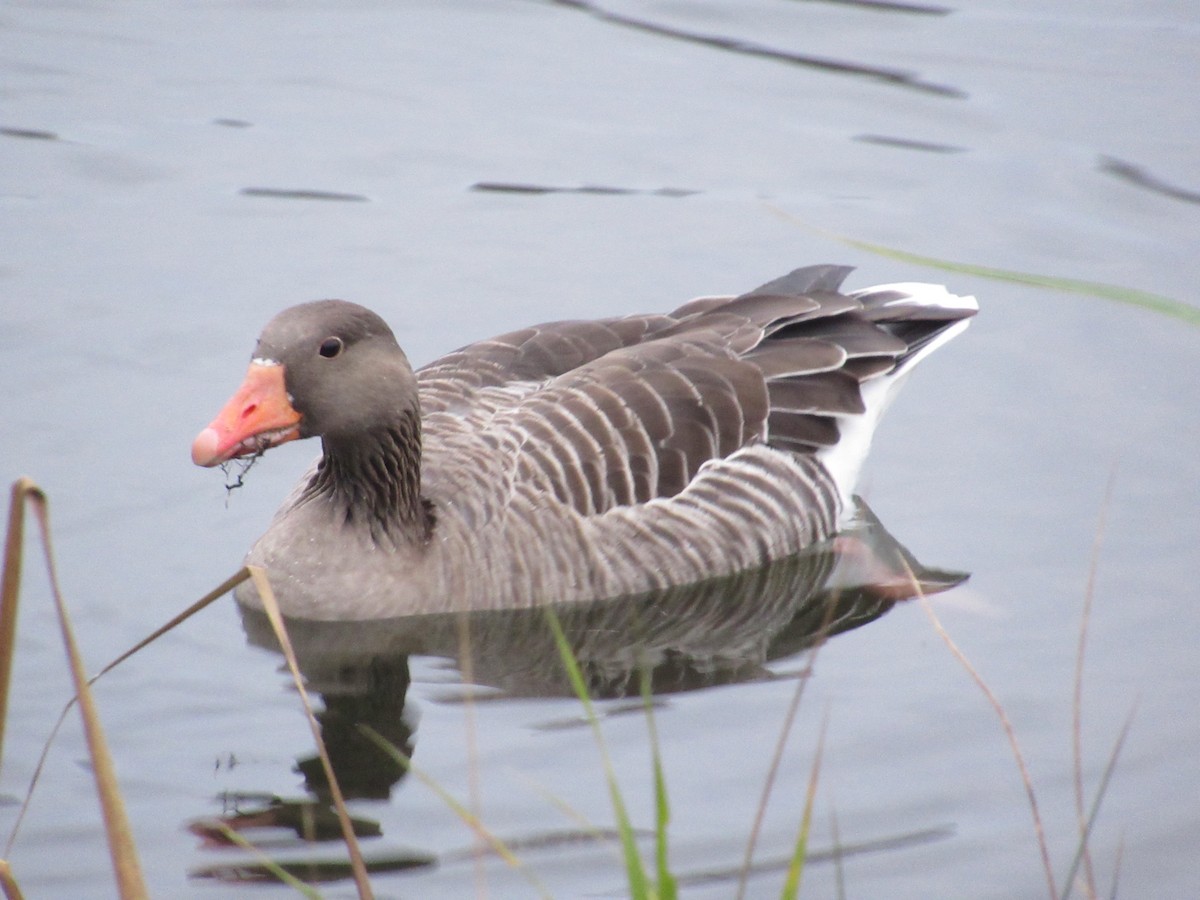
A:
(718, 632)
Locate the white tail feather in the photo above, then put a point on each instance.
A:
(844, 460)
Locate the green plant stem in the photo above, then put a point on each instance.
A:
(639, 886)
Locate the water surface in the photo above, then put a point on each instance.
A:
(170, 178)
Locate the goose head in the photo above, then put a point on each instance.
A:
(328, 368)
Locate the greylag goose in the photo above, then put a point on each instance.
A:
(571, 461)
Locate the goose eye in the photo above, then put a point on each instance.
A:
(331, 347)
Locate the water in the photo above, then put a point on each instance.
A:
(137, 269)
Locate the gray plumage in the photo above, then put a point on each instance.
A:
(576, 461)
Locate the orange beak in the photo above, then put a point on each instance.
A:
(258, 416)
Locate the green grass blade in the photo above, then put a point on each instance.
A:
(1156, 303)
(639, 886)
(668, 889)
(1095, 810)
(789, 719)
(267, 863)
(1089, 596)
(472, 821)
(1129, 296)
(795, 872)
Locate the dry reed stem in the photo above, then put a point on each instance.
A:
(777, 759)
(130, 884)
(467, 671)
(835, 835)
(271, 607)
(1002, 715)
(1116, 876)
(1077, 695)
(11, 891)
(563, 807)
(468, 818)
(10, 586)
(215, 594)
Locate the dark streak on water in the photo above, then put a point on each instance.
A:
(749, 48)
(1138, 176)
(31, 134)
(840, 851)
(891, 6)
(302, 194)
(884, 140)
(501, 187)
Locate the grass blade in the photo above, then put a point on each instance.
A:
(471, 820)
(668, 889)
(1156, 303)
(8, 883)
(1002, 715)
(10, 589)
(639, 886)
(271, 607)
(267, 863)
(777, 759)
(1089, 594)
(216, 593)
(130, 884)
(839, 873)
(795, 872)
(1095, 810)
(1116, 876)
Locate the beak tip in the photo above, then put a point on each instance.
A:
(206, 448)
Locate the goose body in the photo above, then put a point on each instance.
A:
(570, 461)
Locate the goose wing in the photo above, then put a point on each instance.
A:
(619, 412)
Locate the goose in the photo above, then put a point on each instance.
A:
(571, 461)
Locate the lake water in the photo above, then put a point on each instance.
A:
(173, 175)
